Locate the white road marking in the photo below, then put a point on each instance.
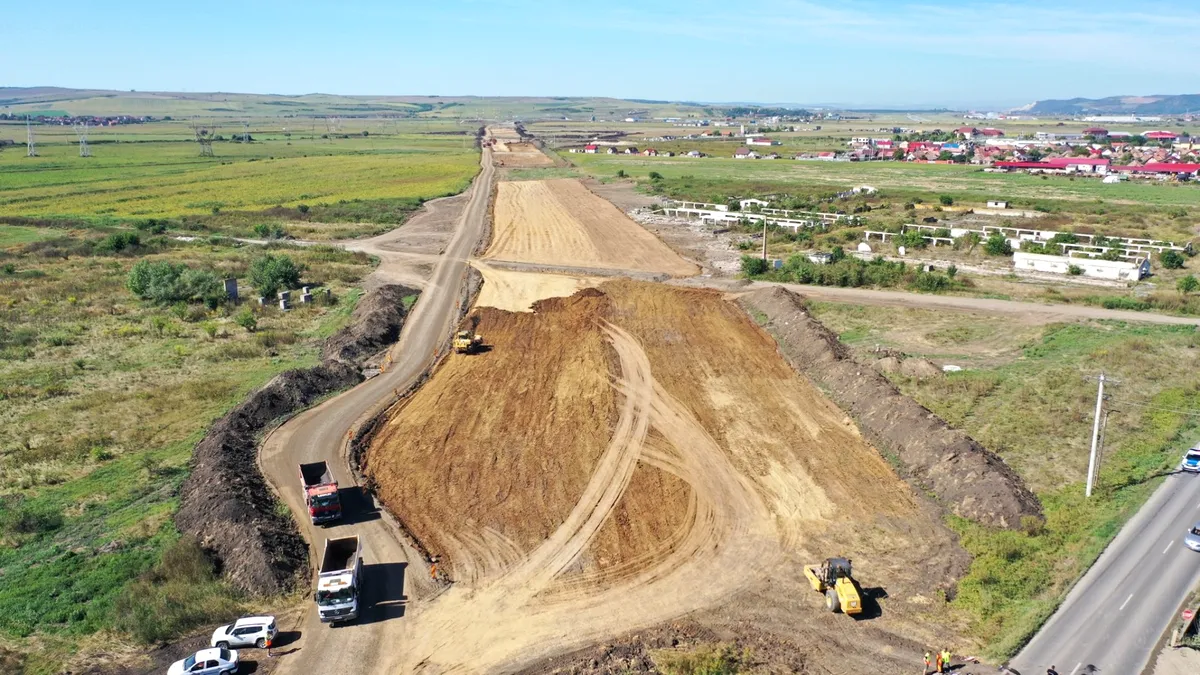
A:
(1076, 667)
(1198, 506)
(1168, 548)
(1126, 602)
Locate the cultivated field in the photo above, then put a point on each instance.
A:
(168, 179)
(520, 156)
(630, 454)
(560, 223)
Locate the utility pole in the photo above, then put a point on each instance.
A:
(764, 240)
(1091, 477)
(30, 146)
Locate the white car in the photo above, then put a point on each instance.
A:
(1191, 461)
(207, 662)
(248, 631)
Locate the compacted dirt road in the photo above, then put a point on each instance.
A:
(394, 573)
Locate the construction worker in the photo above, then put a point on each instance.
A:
(939, 662)
(928, 658)
(946, 659)
(269, 654)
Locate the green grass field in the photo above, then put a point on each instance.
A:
(11, 235)
(165, 179)
(102, 398)
(1024, 394)
(965, 183)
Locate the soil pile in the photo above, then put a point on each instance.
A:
(970, 480)
(374, 325)
(628, 455)
(226, 503)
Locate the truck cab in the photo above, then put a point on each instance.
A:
(320, 492)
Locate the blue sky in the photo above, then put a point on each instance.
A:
(854, 52)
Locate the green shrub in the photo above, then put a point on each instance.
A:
(753, 265)
(1123, 302)
(30, 519)
(654, 175)
(946, 200)
(1074, 270)
(997, 244)
(303, 208)
(246, 319)
(270, 274)
(164, 283)
(1188, 284)
(1171, 260)
(119, 241)
(179, 594)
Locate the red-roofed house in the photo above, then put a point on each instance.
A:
(1160, 135)
(1080, 164)
(1162, 168)
(1098, 132)
(991, 133)
(745, 153)
(590, 149)
(967, 132)
(650, 152)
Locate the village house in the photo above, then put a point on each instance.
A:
(631, 150)
(650, 152)
(611, 150)
(1115, 270)
(761, 140)
(745, 153)
(590, 149)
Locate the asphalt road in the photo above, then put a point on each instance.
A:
(394, 573)
(1112, 619)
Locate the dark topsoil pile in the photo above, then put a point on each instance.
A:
(226, 503)
(964, 476)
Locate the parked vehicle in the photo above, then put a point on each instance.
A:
(207, 662)
(338, 580)
(248, 631)
(1192, 538)
(320, 492)
(1191, 461)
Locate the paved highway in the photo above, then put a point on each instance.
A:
(394, 573)
(1112, 619)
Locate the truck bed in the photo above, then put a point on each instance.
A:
(339, 554)
(316, 473)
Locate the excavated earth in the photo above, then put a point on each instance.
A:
(640, 458)
(969, 479)
(225, 502)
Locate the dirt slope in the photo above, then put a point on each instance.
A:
(973, 482)
(562, 223)
(626, 456)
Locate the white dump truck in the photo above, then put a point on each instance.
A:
(338, 580)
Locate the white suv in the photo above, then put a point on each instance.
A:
(248, 631)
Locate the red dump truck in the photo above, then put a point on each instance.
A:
(320, 492)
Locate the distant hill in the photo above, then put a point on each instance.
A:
(1158, 104)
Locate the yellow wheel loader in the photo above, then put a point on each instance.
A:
(833, 578)
(466, 342)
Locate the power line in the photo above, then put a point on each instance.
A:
(1146, 406)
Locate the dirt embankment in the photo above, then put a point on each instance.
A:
(226, 503)
(633, 454)
(967, 478)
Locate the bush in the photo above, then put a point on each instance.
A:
(246, 319)
(946, 200)
(303, 208)
(119, 241)
(1074, 270)
(620, 173)
(165, 284)
(29, 519)
(267, 231)
(997, 244)
(654, 175)
(270, 274)
(1171, 260)
(1188, 284)
(180, 593)
(753, 265)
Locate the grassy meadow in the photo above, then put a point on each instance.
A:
(1024, 394)
(102, 397)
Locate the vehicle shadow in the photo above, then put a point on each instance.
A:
(383, 587)
(284, 638)
(870, 603)
(358, 506)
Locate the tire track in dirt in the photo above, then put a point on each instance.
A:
(523, 616)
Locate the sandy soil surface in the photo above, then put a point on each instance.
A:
(632, 454)
(411, 251)
(560, 222)
(517, 291)
(1180, 661)
(511, 155)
